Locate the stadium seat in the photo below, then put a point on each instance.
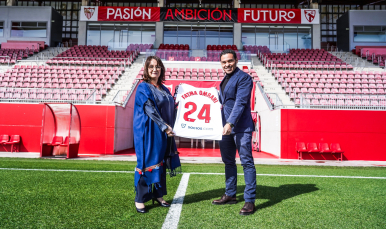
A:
(324, 148)
(301, 148)
(4, 138)
(335, 148)
(14, 142)
(57, 140)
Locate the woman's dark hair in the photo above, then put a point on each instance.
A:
(146, 76)
(229, 51)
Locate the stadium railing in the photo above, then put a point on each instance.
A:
(40, 95)
(268, 99)
(122, 97)
(5, 60)
(271, 65)
(341, 101)
(194, 55)
(89, 61)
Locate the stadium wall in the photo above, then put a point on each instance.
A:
(365, 18)
(97, 129)
(104, 129)
(54, 20)
(270, 125)
(24, 120)
(361, 133)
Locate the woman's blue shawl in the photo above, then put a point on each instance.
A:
(149, 141)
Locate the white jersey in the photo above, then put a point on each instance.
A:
(199, 113)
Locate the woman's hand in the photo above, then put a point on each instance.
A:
(169, 131)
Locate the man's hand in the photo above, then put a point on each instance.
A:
(227, 129)
(169, 131)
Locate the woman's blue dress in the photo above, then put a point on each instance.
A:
(154, 108)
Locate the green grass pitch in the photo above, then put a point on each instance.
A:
(50, 199)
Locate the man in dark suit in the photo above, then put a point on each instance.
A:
(235, 97)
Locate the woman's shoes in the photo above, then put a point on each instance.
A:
(141, 210)
(163, 204)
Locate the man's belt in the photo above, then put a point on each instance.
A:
(149, 169)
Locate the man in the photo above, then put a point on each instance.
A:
(235, 96)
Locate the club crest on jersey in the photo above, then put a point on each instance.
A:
(310, 15)
(88, 12)
(183, 125)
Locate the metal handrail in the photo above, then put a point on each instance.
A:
(298, 66)
(7, 93)
(343, 101)
(130, 93)
(269, 104)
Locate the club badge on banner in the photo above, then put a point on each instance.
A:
(199, 113)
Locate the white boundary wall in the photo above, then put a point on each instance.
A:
(270, 126)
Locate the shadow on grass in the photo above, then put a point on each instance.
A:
(273, 194)
(277, 194)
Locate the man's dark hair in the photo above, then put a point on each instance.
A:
(229, 51)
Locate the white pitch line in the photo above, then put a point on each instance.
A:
(289, 175)
(173, 216)
(195, 173)
(68, 170)
(321, 176)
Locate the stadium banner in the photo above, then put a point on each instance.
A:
(198, 14)
(242, 15)
(280, 16)
(106, 13)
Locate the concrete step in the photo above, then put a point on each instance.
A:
(270, 83)
(125, 82)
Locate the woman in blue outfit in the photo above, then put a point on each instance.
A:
(154, 144)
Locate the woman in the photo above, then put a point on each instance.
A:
(153, 136)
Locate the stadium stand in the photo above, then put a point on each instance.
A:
(373, 54)
(34, 46)
(95, 55)
(41, 44)
(18, 82)
(181, 53)
(256, 49)
(334, 87)
(139, 47)
(11, 55)
(304, 59)
(206, 74)
(173, 47)
(221, 47)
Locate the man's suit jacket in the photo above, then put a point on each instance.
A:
(236, 101)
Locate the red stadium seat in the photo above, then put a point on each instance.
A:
(4, 138)
(14, 142)
(324, 148)
(335, 148)
(57, 140)
(301, 148)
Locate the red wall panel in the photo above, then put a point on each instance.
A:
(24, 120)
(97, 134)
(361, 134)
(97, 126)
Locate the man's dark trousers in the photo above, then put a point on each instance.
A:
(228, 146)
